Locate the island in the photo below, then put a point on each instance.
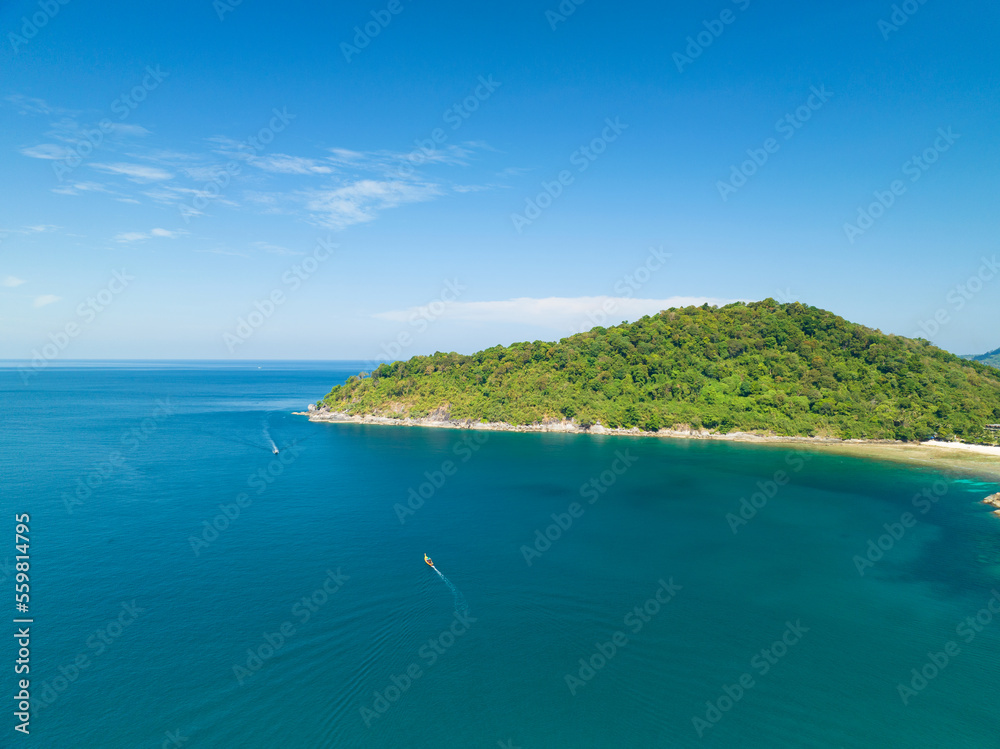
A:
(991, 357)
(761, 369)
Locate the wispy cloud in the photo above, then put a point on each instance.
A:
(275, 249)
(77, 187)
(33, 229)
(331, 187)
(11, 281)
(137, 131)
(399, 164)
(51, 151)
(29, 104)
(135, 172)
(131, 236)
(44, 299)
(223, 251)
(173, 194)
(363, 200)
(140, 236)
(513, 171)
(284, 164)
(69, 139)
(558, 313)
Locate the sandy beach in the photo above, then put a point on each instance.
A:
(981, 449)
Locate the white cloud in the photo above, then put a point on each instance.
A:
(135, 130)
(513, 171)
(41, 301)
(402, 164)
(77, 187)
(362, 201)
(139, 236)
(35, 229)
(166, 156)
(285, 164)
(223, 251)
(335, 188)
(276, 249)
(171, 194)
(204, 173)
(29, 104)
(135, 172)
(566, 314)
(11, 281)
(47, 151)
(131, 236)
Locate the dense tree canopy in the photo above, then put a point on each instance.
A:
(787, 369)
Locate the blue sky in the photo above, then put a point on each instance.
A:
(488, 173)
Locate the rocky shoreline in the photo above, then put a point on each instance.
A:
(994, 501)
(440, 420)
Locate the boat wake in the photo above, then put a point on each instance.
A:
(461, 605)
(267, 436)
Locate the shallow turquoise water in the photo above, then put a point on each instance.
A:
(192, 438)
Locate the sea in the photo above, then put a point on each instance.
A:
(190, 587)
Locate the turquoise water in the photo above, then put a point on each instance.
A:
(164, 632)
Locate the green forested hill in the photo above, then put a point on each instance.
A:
(992, 358)
(784, 368)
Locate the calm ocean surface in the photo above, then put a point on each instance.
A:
(146, 597)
